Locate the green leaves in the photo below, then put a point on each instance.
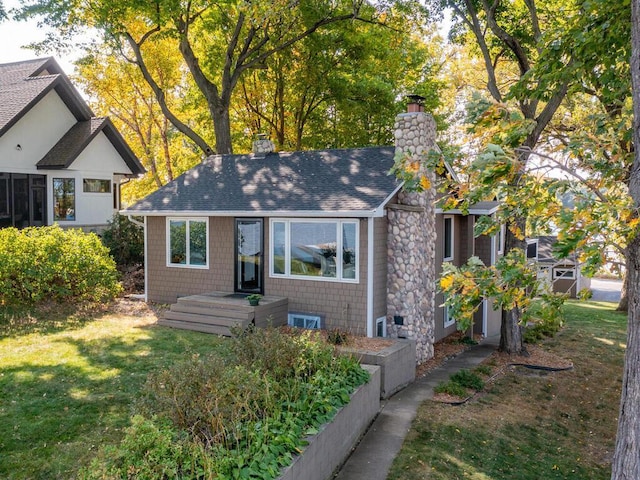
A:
(49, 263)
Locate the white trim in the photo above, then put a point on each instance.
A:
(472, 211)
(371, 327)
(493, 249)
(485, 314)
(572, 270)
(340, 222)
(378, 212)
(146, 261)
(383, 321)
(448, 321)
(501, 234)
(532, 241)
(188, 221)
(444, 237)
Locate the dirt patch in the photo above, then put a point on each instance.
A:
(538, 362)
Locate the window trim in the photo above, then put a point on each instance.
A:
(448, 319)
(188, 220)
(381, 322)
(452, 242)
(103, 180)
(287, 249)
(75, 199)
(501, 234)
(564, 269)
(532, 241)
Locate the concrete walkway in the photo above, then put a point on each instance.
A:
(372, 458)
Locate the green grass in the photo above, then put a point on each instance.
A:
(537, 426)
(67, 383)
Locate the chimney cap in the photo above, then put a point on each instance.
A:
(415, 103)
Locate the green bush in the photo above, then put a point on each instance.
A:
(125, 241)
(468, 379)
(49, 263)
(451, 388)
(241, 416)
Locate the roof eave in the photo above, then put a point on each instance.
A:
(254, 213)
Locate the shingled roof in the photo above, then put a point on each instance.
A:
(24, 84)
(346, 182)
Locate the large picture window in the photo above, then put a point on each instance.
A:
(187, 242)
(64, 199)
(315, 249)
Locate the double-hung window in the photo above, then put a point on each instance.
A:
(448, 239)
(315, 249)
(188, 242)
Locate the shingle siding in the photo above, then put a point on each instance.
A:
(165, 284)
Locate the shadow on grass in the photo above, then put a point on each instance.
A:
(72, 392)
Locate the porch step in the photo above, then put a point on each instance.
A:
(198, 327)
(218, 312)
(215, 317)
(221, 311)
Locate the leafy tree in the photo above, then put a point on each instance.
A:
(119, 91)
(347, 95)
(219, 41)
(626, 459)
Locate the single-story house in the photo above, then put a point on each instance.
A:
(329, 231)
(562, 275)
(58, 162)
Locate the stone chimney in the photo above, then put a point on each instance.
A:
(411, 239)
(262, 146)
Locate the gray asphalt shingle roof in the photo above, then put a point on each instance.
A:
(347, 180)
(24, 84)
(72, 143)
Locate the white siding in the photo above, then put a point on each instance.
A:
(36, 133)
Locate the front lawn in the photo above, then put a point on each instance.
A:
(67, 382)
(533, 425)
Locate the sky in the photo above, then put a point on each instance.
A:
(15, 35)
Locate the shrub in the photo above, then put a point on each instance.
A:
(451, 388)
(242, 416)
(125, 241)
(50, 263)
(468, 379)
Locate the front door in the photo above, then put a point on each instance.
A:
(249, 255)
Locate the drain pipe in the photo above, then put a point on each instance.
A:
(135, 222)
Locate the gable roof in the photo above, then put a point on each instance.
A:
(71, 145)
(345, 182)
(24, 84)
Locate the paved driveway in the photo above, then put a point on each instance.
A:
(606, 290)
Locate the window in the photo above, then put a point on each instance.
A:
(381, 327)
(564, 273)
(304, 320)
(187, 242)
(95, 185)
(448, 319)
(532, 249)
(315, 249)
(501, 239)
(64, 199)
(448, 238)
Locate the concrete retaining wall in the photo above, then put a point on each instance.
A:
(397, 364)
(330, 447)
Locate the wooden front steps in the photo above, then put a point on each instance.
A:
(218, 312)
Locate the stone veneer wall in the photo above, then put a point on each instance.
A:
(411, 240)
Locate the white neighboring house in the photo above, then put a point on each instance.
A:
(58, 162)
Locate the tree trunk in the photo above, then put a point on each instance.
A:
(626, 460)
(511, 339)
(222, 128)
(623, 304)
